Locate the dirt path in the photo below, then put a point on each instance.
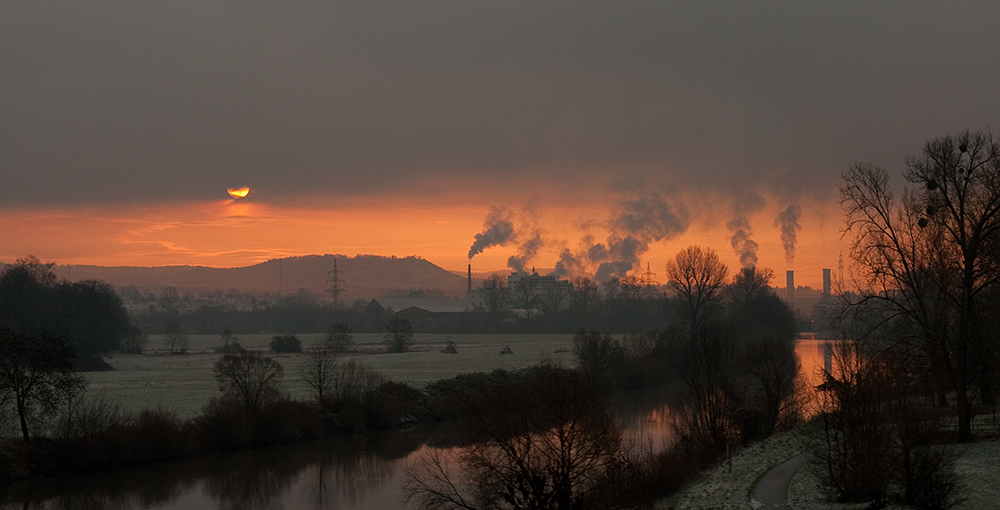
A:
(772, 490)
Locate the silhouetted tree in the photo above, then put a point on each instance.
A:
(932, 257)
(585, 294)
(523, 293)
(398, 335)
(538, 446)
(135, 342)
(497, 295)
(248, 377)
(339, 338)
(230, 342)
(88, 314)
(595, 352)
(319, 370)
(36, 373)
(697, 277)
(175, 338)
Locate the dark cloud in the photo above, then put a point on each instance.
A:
(114, 100)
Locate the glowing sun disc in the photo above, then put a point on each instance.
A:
(238, 192)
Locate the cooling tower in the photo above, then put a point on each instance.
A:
(790, 285)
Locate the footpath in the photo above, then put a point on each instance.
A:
(772, 490)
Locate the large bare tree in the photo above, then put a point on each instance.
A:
(249, 377)
(931, 257)
(697, 277)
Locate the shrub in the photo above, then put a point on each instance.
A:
(339, 338)
(286, 343)
(398, 336)
(134, 342)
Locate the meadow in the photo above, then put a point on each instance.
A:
(184, 383)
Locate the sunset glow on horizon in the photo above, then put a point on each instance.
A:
(242, 233)
(596, 140)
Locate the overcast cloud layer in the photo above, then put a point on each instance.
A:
(104, 101)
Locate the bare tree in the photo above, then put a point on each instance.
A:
(595, 352)
(538, 447)
(230, 342)
(585, 294)
(497, 294)
(339, 338)
(612, 291)
(248, 377)
(697, 276)
(749, 283)
(523, 292)
(398, 335)
(553, 296)
(175, 338)
(36, 373)
(932, 257)
(319, 369)
(710, 374)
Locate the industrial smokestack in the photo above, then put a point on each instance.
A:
(790, 285)
(826, 283)
(470, 277)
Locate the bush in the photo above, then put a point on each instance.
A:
(134, 343)
(286, 343)
(339, 338)
(398, 336)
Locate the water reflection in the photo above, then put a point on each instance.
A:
(358, 473)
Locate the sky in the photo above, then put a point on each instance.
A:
(590, 137)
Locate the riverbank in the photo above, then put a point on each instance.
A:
(717, 488)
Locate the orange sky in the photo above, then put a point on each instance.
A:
(229, 233)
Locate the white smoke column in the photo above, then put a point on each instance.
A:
(498, 230)
(788, 222)
(526, 252)
(638, 223)
(744, 247)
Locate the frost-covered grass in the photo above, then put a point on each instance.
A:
(720, 489)
(184, 383)
(978, 466)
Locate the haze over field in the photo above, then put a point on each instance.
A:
(608, 135)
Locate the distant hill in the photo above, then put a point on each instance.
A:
(365, 276)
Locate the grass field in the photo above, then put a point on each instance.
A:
(184, 383)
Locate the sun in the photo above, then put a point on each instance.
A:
(238, 192)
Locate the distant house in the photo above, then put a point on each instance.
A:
(414, 313)
(373, 308)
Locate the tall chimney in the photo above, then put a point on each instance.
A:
(470, 277)
(826, 283)
(790, 285)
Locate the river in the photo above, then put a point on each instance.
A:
(356, 473)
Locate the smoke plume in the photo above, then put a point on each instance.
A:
(567, 264)
(634, 226)
(638, 223)
(526, 252)
(788, 222)
(498, 230)
(743, 245)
